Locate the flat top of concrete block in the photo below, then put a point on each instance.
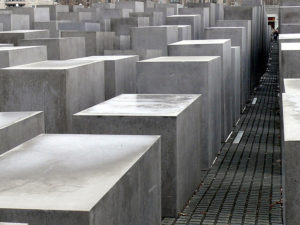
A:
(291, 86)
(291, 118)
(20, 31)
(222, 28)
(6, 45)
(141, 105)
(67, 172)
(15, 48)
(201, 42)
(9, 118)
(289, 36)
(13, 223)
(182, 59)
(184, 15)
(107, 57)
(183, 25)
(292, 46)
(52, 65)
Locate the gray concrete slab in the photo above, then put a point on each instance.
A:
(18, 127)
(15, 35)
(82, 26)
(238, 38)
(142, 53)
(291, 86)
(154, 37)
(165, 115)
(288, 28)
(155, 18)
(188, 75)
(166, 12)
(54, 9)
(95, 42)
(115, 13)
(13, 223)
(122, 26)
(236, 70)
(14, 56)
(59, 88)
(135, 6)
(288, 38)
(78, 179)
(75, 16)
(289, 14)
(15, 22)
(122, 42)
(59, 48)
(175, 6)
(291, 156)
(289, 2)
(184, 32)
(217, 47)
(119, 73)
(193, 20)
(212, 11)
(35, 14)
(51, 26)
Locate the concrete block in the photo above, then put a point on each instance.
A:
(35, 14)
(166, 12)
(291, 157)
(212, 11)
(142, 53)
(283, 38)
(236, 71)
(289, 65)
(218, 47)
(289, 3)
(122, 26)
(75, 16)
(135, 6)
(289, 14)
(289, 28)
(189, 75)
(184, 32)
(238, 38)
(119, 74)
(15, 22)
(82, 179)
(155, 18)
(51, 26)
(175, 6)
(193, 20)
(13, 223)
(6, 45)
(115, 13)
(18, 127)
(14, 56)
(154, 37)
(54, 9)
(83, 26)
(122, 42)
(203, 12)
(219, 12)
(95, 42)
(15, 35)
(75, 8)
(59, 88)
(59, 48)
(291, 86)
(165, 115)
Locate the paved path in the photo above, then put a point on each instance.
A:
(244, 184)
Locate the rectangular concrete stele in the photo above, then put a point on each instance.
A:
(15, 35)
(193, 20)
(59, 48)
(155, 18)
(184, 32)
(290, 28)
(82, 26)
(203, 12)
(51, 26)
(289, 14)
(35, 14)
(135, 6)
(189, 75)
(154, 37)
(13, 223)
(289, 64)
(75, 16)
(217, 47)
(122, 26)
(165, 115)
(14, 56)
(291, 86)
(52, 87)
(288, 38)
(212, 11)
(166, 12)
(82, 179)
(95, 42)
(236, 70)
(120, 73)
(18, 127)
(6, 45)
(115, 13)
(291, 150)
(54, 9)
(238, 38)
(142, 53)
(175, 6)
(289, 2)
(15, 22)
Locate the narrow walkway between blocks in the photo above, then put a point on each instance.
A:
(244, 184)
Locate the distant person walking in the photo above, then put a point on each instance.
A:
(275, 35)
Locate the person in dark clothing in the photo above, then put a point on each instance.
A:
(275, 35)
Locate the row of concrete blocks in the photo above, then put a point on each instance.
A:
(289, 76)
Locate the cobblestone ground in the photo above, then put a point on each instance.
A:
(244, 184)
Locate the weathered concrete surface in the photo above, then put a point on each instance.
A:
(189, 75)
(291, 157)
(142, 53)
(51, 26)
(119, 73)
(291, 86)
(166, 12)
(236, 71)
(80, 26)
(59, 48)
(154, 37)
(155, 18)
(289, 2)
(217, 47)
(54, 9)
(15, 35)
(121, 26)
(15, 22)
(35, 14)
(97, 171)
(184, 32)
(135, 6)
(52, 87)
(18, 127)
(177, 118)
(193, 20)
(95, 42)
(14, 56)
